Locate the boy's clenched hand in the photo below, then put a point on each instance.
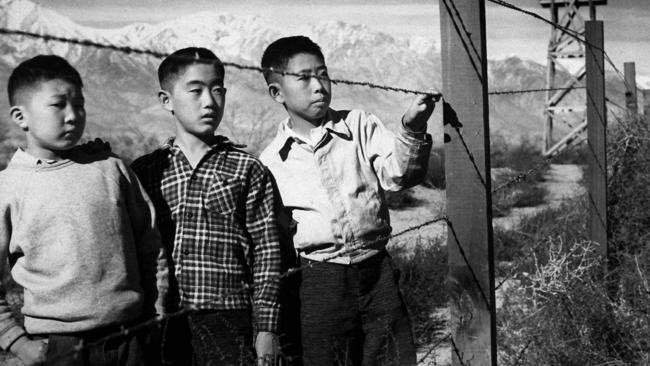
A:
(417, 115)
(30, 352)
(266, 347)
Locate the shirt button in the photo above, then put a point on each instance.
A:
(189, 215)
(194, 177)
(186, 251)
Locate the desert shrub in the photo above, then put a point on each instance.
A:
(529, 240)
(629, 187)
(521, 194)
(562, 313)
(509, 162)
(564, 304)
(520, 157)
(423, 271)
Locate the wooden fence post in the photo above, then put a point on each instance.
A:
(630, 89)
(646, 104)
(596, 134)
(467, 162)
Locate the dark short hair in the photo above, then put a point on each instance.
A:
(31, 73)
(277, 54)
(173, 65)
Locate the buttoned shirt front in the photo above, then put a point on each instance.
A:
(334, 187)
(218, 220)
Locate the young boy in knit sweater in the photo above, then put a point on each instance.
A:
(78, 230)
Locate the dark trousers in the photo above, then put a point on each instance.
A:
(128, 350)
(222, 338)
(354, 315)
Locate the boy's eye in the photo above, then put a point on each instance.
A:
(58, 104)
(195, 91)
(303, 76)
(219, 91)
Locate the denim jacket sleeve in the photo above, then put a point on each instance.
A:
(152, 258)
(400, 159)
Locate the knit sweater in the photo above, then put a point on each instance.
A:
(81, 240)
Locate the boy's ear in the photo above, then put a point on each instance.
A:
(275, 91)
(165, 100)
(18, 116)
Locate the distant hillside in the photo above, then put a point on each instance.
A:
(121, 88)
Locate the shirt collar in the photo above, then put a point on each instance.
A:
(23, 157)
(220, 142)
(333, 123)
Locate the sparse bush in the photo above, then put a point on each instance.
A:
(563, 314)
(566, 305)
(508, 161)
(519, 157)
(422, 281)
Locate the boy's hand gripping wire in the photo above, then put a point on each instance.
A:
(416, 116)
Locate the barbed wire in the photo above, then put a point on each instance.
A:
(476, 68)
(126, 331)
(467, 33)
(572, 33)
(571, 145)
(574, 144)
(123, 332)
(433, 348)
(457, 352)
(159, 54)
(507, 92)
(615, 104)
(358, 245)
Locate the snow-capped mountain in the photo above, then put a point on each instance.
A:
(121, 88)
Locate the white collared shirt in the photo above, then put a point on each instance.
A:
(334, 188)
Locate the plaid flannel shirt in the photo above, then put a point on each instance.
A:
(218, 222)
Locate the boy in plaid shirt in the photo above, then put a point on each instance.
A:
(214, 207)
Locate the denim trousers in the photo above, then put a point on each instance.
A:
(222, 337)
(354, 315)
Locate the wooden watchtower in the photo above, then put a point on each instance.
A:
(565, 52)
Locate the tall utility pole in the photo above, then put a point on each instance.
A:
(565, 55)
(467, 158)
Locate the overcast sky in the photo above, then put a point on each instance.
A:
(627, 22)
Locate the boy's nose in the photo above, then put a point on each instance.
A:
(208, 100)
(73, 114)
(317, 83)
